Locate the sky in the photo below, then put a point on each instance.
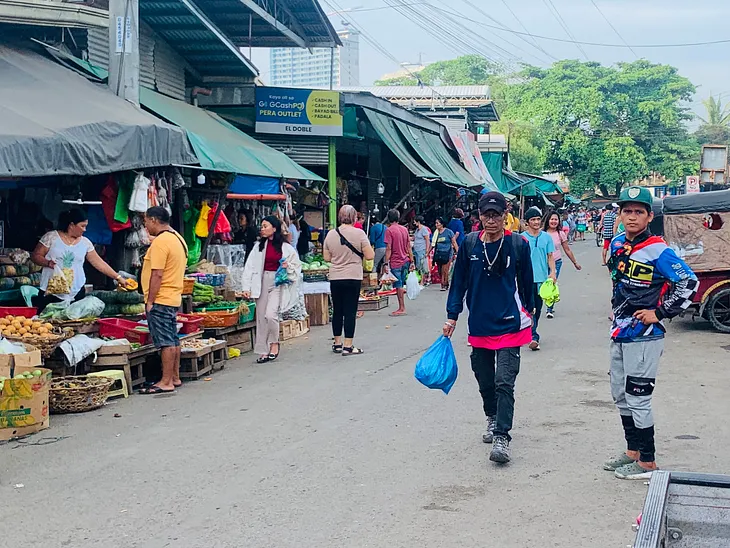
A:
(400, 39)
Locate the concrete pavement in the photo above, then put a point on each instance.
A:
(322, 451)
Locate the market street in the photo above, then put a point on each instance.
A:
(318, 450)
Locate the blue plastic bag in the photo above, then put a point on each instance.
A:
(437, 367)
(281, 277)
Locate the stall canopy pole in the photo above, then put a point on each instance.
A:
(332, 186)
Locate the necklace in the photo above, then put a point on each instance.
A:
(490, 264)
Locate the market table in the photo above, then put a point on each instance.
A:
(240, 336)
(317, 302)
(138, 357)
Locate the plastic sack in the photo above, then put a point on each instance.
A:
(59, 283)
(281, 277)
(413, 288)
(88, 307)
(549, 292)
(437, 367)
(138, 199)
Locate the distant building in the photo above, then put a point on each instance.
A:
(297, 67)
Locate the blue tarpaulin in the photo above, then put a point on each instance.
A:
(248, 184)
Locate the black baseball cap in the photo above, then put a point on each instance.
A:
(493, 201)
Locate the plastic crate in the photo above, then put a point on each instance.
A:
(191, 324)
(215, 280)
(245, 318)
(118, 328)
(25, 311)
(221, 318)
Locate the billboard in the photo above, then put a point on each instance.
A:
(692, 184)
(287, 111)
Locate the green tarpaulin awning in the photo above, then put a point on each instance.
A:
(219, 146)
(434, 154)
(507, 181)
(385, 129)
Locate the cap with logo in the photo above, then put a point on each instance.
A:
(636, 194)
(492, 201)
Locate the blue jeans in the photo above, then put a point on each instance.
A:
(538, 311)
(558, 267)
(400, 275)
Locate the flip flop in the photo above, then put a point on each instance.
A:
(152, 390)
(397, 314)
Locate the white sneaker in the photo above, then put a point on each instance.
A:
(550, 315)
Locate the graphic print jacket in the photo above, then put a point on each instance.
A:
(647, 275)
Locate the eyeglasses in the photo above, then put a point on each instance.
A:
(492, 215)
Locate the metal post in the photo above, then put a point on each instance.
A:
(250, 34)
(332, 182)
(124, 49)
(332, 68)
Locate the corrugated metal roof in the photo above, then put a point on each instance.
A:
(418, 92)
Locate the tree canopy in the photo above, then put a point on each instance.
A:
(715, 128)
(601, 126)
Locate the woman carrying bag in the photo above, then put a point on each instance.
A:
(259, 283)
(345, 249)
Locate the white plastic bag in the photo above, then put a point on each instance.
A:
(138, 200)
(413, 288)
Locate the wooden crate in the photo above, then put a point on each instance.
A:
(318, 308)
(114, 349)
(290, 329)
(375, 304)
(220, 355)
(369, 279)
(196, 363)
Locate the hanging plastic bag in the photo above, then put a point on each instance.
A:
(549, 292)
(281, 277)
(138, 200)
(413, 288)
(437, 367)
(201, 227)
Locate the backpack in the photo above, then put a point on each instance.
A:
(471, 241)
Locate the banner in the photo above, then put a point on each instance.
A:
(287, 111)
(693, 184)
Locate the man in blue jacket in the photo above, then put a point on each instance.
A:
(493, 271)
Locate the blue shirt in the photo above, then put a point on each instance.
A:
(377, 236)
(457, 225)
(540, 246)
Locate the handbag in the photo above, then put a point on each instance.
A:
(367, 264)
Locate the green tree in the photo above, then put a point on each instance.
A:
(715, 128)
(466, 70)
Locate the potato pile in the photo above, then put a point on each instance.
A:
(20, 327)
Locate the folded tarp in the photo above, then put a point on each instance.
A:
(55, 122)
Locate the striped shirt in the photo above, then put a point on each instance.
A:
(609, 220)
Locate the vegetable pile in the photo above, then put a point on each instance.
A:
(205, 294)
(127, 303)
(315, 262)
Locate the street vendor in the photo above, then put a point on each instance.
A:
(62, 254)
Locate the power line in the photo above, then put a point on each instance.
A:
(506, 5)
(614, 28)
(559, 18)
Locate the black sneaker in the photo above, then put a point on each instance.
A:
(488, 436)
(500, 450)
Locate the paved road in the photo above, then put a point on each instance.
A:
(321, 451)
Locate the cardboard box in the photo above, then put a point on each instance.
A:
(24, 402)
(30, 358)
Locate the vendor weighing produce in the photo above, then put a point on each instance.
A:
(62, 253)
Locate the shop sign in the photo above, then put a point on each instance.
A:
(287, 111)
(693, 184)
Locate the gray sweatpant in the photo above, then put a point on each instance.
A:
(634, 368)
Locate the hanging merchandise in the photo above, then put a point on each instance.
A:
(201, 179)
(177, 179)
(136, 239)
(110, 204)
(190, 217)
(201, 227)
(162, 194)
(138, 200)
(98, 230)
(152, 200)
(222, 225)
(125, 185)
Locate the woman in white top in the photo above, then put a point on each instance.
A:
(62, 254)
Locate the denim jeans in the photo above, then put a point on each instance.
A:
(496, 372)
(538, 311)
(558, 267)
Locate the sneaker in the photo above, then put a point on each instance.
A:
(550, 315)
(500, 450)
(534, 345)
(613, 464)
(633, 471)
(488, 436)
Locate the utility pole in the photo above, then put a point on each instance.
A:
(124, 49)
(332, 157)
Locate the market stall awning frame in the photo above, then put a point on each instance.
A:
(433, 151)
(220, 146)
(74, 127)
(387, 132)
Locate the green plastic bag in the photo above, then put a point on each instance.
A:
(549, 292)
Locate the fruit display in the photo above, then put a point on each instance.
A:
(196, 344)
(15, 327)
(28, 375)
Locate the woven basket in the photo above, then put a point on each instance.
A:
(220, 318)
(45, 344)
(78, 394)
(321, 275)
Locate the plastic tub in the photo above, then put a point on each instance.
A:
(118, 328)
(190, 324)
(25, 311)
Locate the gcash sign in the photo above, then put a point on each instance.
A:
(298, 112)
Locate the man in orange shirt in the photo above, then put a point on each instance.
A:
(162, 282)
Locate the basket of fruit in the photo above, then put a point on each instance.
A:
(78, 394)
(218, 318)
(40, 334)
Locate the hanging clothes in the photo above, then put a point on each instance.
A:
(190, 218)
(98, 230)
(201, 227)
(109, 200)
(125, 185)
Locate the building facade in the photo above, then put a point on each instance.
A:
(297, 67)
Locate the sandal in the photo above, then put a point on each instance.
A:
(337, 348)
(263, 359)
(352, 351)
(152, 390)
(272, 357)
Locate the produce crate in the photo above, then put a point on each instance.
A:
(222, 318)
(118, 328)
(373, 304)
(321, 275)
(215, 280)
(188, 284)
(318, 308)
(191, 324)
(290, 329)
(25, 311)
(245, 318)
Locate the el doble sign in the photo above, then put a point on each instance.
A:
(298, 112)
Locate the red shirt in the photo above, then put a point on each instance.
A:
(271, 259)
(400, 241)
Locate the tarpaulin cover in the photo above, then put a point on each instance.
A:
(385, 129)
(699, 202)
(219, 145)
(701, 239)
(244, 184)
(55, 122)
(434, 154)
